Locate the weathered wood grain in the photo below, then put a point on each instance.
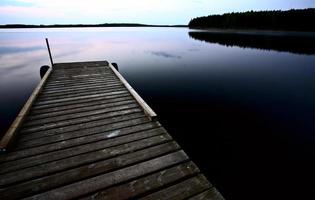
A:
(182, 190)
(91, 98)
(91, 102)
(99, 182)
(55, 82)
(66, 85)
(45, 183)
(81, 159)
(106, 141)
(83, 117)
(45, 97)
(83, 107)
(146, 184)
(62, 101)
(77, 141)
(88, 111)
(79, 88)
(81, 130)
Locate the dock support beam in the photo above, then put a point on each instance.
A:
(48, 47)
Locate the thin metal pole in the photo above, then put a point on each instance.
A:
(51, 60)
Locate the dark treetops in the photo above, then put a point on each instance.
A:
(291, 20)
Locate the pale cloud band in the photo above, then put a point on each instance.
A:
(140, 11)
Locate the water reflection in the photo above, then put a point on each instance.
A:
(13, 50)
(294, 43)
(165, 54)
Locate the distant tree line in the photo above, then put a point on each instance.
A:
(85, 25)
(291, 20)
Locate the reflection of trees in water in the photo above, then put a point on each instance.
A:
(288, 43)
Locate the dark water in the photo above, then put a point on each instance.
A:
(244, 111)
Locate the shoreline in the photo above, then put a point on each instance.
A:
(255, 31)
(21, 26)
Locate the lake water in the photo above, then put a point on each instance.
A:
(244, 111)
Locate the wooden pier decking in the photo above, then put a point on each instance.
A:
(86, 134)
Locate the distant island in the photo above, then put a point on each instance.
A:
(85, 25)
(291, 20)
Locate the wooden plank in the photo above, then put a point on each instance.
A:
(146, 184)
(80, 88)
(83, 108)
(65, 81)
(93, 117)
(75, 131)
(78, 189)
(211, 194)
(81, 73)
(182, 190)
(80, 101)
(70, 72)
(146, 108)
(108, 119)
(38, 113)
(83, 93)
(82, 77)
(49, 182)
(75, 85)
(77, 141)
(95, 110)
(72, 81)
(84, 65)
(51, 85)
(13, 129)
(60, 101)
(81, 70)
(44, 169)
(70, 66)
(83, 148)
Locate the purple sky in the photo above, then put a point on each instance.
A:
(139, 11)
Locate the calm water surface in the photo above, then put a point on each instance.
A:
(244, 115)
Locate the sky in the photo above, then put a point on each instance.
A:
(130, 11)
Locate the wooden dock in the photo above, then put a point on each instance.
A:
(86, 134)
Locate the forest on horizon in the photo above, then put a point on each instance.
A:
(291, 20)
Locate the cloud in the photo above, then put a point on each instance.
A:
(14, 3)
(97, 11)
(28, 12)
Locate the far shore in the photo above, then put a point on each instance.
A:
(14, 26)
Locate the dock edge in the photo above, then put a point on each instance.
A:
(146, 108)
(9, 136)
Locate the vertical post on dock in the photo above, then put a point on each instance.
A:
(48, 47)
